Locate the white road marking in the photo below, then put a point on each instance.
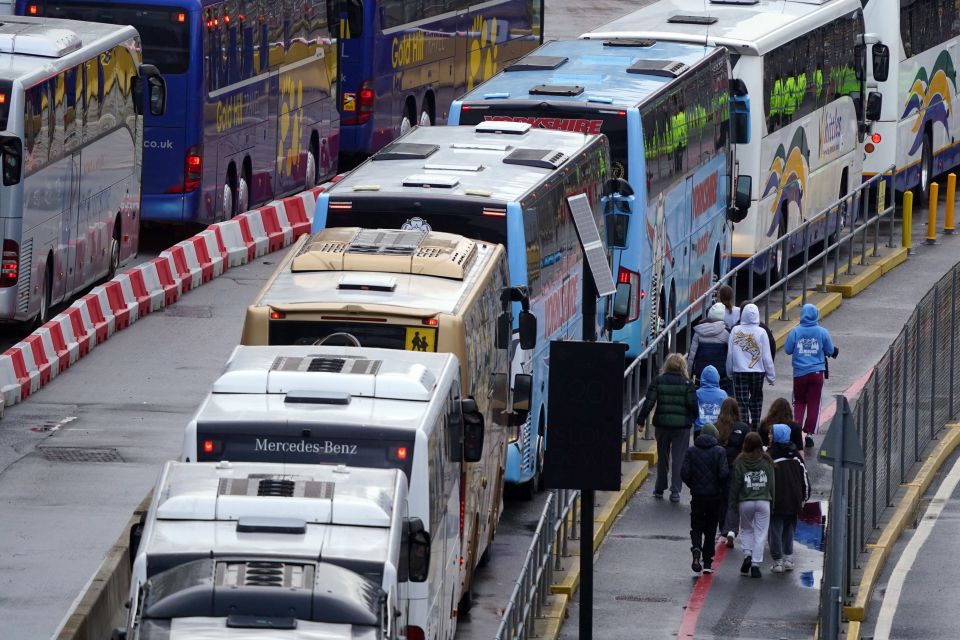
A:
(891, 599)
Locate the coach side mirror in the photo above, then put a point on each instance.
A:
(522, 392)
(741, 199)
(881, 62)
(417, 543)
(874, 106)
(528, 330)
(472, 431)
(156, 90)
(11, 156)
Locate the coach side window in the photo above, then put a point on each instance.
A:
(531, 232)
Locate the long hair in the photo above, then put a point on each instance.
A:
(780, 412)
(725, 296)
(675, 363)
(727, 419)
(753, 449)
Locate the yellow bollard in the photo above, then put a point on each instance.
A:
(951, 192)
(932, 213)
(907, 221)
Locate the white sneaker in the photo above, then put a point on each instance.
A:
(777, 566)
(730, 536)
(788, 563)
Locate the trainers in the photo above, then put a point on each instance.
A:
(745, 567)
(808, 441)
(658, 495)
(755, 571)
(695, 565)
(788, 563)
(730, 536)
(777, 566)
(674, 497)
(708, 566)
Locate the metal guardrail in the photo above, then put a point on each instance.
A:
(905, 403)
(558, 522)
(557, 526)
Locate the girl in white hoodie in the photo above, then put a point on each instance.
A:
(749, 361)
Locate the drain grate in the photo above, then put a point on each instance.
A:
(189, 311)
(79, 454)
(639, 598)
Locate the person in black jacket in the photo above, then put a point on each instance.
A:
(792, 490)
(705, 471)
(675, 399)
(732, 432)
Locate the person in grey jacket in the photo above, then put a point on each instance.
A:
(708, 346)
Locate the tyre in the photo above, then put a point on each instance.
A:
(530, 488)
(425, 119)
(926, 166)
(114, 251)
(406, 122)
(229, 201)
(311, 178)
(243, 195)
(46, 284)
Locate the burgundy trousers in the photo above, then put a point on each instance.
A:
(806, 400)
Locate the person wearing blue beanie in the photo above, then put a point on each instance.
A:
(810, 345)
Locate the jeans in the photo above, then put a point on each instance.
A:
(671, 443)
(705, 515)
(807, 391)
(781, 535)
(754, 522)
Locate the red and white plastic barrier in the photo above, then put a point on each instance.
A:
(115, 305)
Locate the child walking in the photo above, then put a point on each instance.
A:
(792, 491)
(732, 432)
(705, 471)
(752, 489)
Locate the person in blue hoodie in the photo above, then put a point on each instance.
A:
(709, 398)
(809, 344)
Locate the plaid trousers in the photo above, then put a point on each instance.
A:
(748, 390)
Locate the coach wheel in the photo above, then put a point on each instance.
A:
(243, 194)
(926, 166)
(311, 178)
(114, 250)
(46, 284)
(229, 203)
(425, 119)
(406, 122)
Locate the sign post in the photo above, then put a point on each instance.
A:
(842, 450)
(586, 404)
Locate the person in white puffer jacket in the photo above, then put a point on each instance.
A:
(749, 361)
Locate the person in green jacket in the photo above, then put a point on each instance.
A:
(675, 398)
(752, 489)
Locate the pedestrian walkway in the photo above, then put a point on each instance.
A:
(643, 577)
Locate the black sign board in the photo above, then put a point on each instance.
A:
(586, 411)
(593, 249)
(842, 444)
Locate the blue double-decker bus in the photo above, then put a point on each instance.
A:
(666, 109)
(250, 111)
(402, 62)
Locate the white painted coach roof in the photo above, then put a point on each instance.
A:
(324, 494)
(29, 45)
(474, 159)
(371, 373)
(747, 28)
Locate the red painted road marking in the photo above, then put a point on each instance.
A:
(688, 623)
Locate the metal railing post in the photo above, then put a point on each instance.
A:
(888, 420)
(916, 400)
(903, 401)
(953, 329)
